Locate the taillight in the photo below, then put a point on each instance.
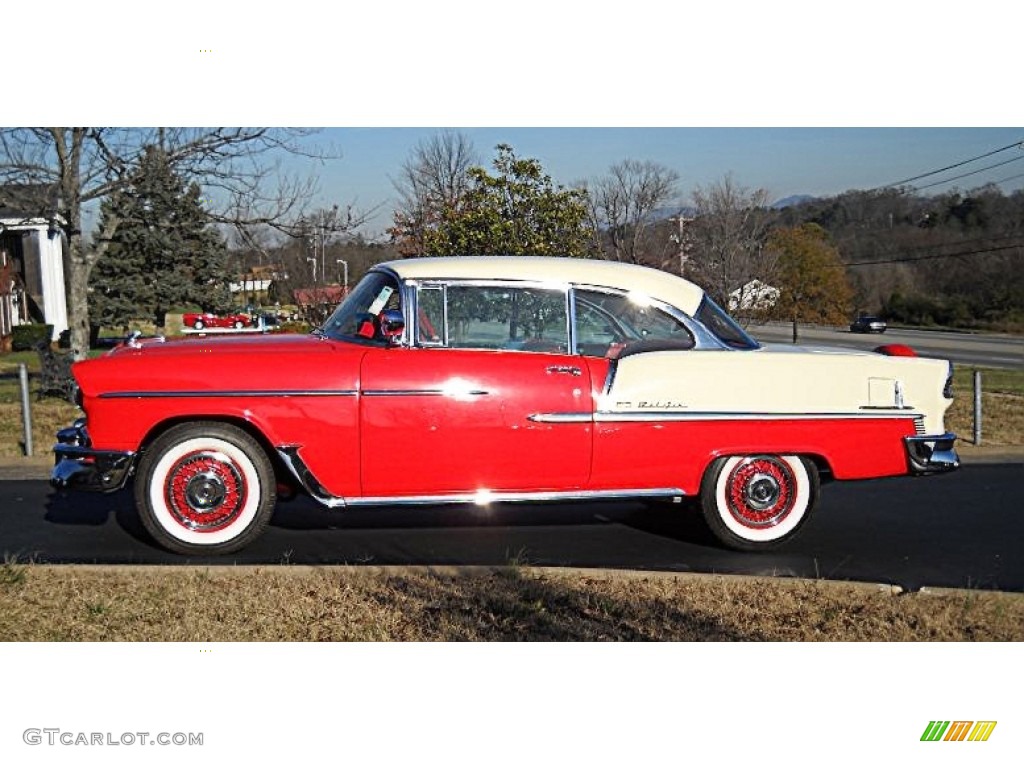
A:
(896, 350)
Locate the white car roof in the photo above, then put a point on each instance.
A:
(632, 278)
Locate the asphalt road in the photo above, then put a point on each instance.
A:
(959, 530)
(992, 350)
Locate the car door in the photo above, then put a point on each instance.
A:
(467, 409)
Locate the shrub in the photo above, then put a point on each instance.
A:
(27, 337)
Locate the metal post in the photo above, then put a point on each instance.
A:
(977, 407)
(344, 265)
(26, 408)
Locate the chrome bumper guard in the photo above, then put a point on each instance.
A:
(78, 466)
(931, 454)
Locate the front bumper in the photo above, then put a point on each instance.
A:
(79, 466)
(931, 454)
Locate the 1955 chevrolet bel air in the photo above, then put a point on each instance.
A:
(499, 379)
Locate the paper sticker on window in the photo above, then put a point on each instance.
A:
(381, 300)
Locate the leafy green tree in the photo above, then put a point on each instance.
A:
(519, 211)
(162, 253)
(811, 278)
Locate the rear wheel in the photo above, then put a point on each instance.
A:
(198, 325)
(754, 503)
(205, 488)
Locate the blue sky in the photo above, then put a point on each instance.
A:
(478, 67)
(785, 161)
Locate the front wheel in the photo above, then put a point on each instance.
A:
(755, 503)
(205, 488)
(198, 325)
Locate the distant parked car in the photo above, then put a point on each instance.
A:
(868, 324)
(202, 320)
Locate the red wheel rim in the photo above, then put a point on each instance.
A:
(205, 490)
(761, 492)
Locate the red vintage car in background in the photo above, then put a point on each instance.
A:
(201, 320)
(499, 379)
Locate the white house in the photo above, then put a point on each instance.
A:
(753, 295)
(32, 288)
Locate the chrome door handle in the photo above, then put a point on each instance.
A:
(572, 370)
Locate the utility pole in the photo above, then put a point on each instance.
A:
(344, 265)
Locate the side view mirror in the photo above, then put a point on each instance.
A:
(392, 325)
(389, 325)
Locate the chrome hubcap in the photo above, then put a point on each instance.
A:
(762, 491)
(205, 491)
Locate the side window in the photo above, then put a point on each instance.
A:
(503, 317)
(608, 325)
(354, 319)
(430, 325)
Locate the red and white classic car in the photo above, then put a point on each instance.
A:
(499, 379)
(200, 321)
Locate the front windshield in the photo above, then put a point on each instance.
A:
(725, 329)
(375, 293)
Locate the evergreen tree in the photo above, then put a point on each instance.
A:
(163, 253)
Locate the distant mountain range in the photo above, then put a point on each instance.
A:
(659, 214)
(792, 200)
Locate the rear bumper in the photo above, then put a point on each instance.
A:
(79, 466)
(931, 454)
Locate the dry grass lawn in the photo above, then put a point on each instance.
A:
(61, 603)
(1002, 407)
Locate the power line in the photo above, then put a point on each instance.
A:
(1009, 178)
(954, 165)
(971, 173)
(961, 243)
(906, 259)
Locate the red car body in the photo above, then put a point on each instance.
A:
(383, 408)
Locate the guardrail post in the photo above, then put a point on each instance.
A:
(26, 407)
(977, 407)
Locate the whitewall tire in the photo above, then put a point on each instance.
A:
(205, 488)
(758, 502)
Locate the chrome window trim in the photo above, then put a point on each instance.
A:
(702, 337)
(404, 300)
(414, 292)
(410, 289)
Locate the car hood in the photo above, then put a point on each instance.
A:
(223, 364)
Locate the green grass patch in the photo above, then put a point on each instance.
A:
(1002, 381)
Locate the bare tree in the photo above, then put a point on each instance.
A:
(86, 165)
(432, 179)
(727, 239)
(623, 205)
